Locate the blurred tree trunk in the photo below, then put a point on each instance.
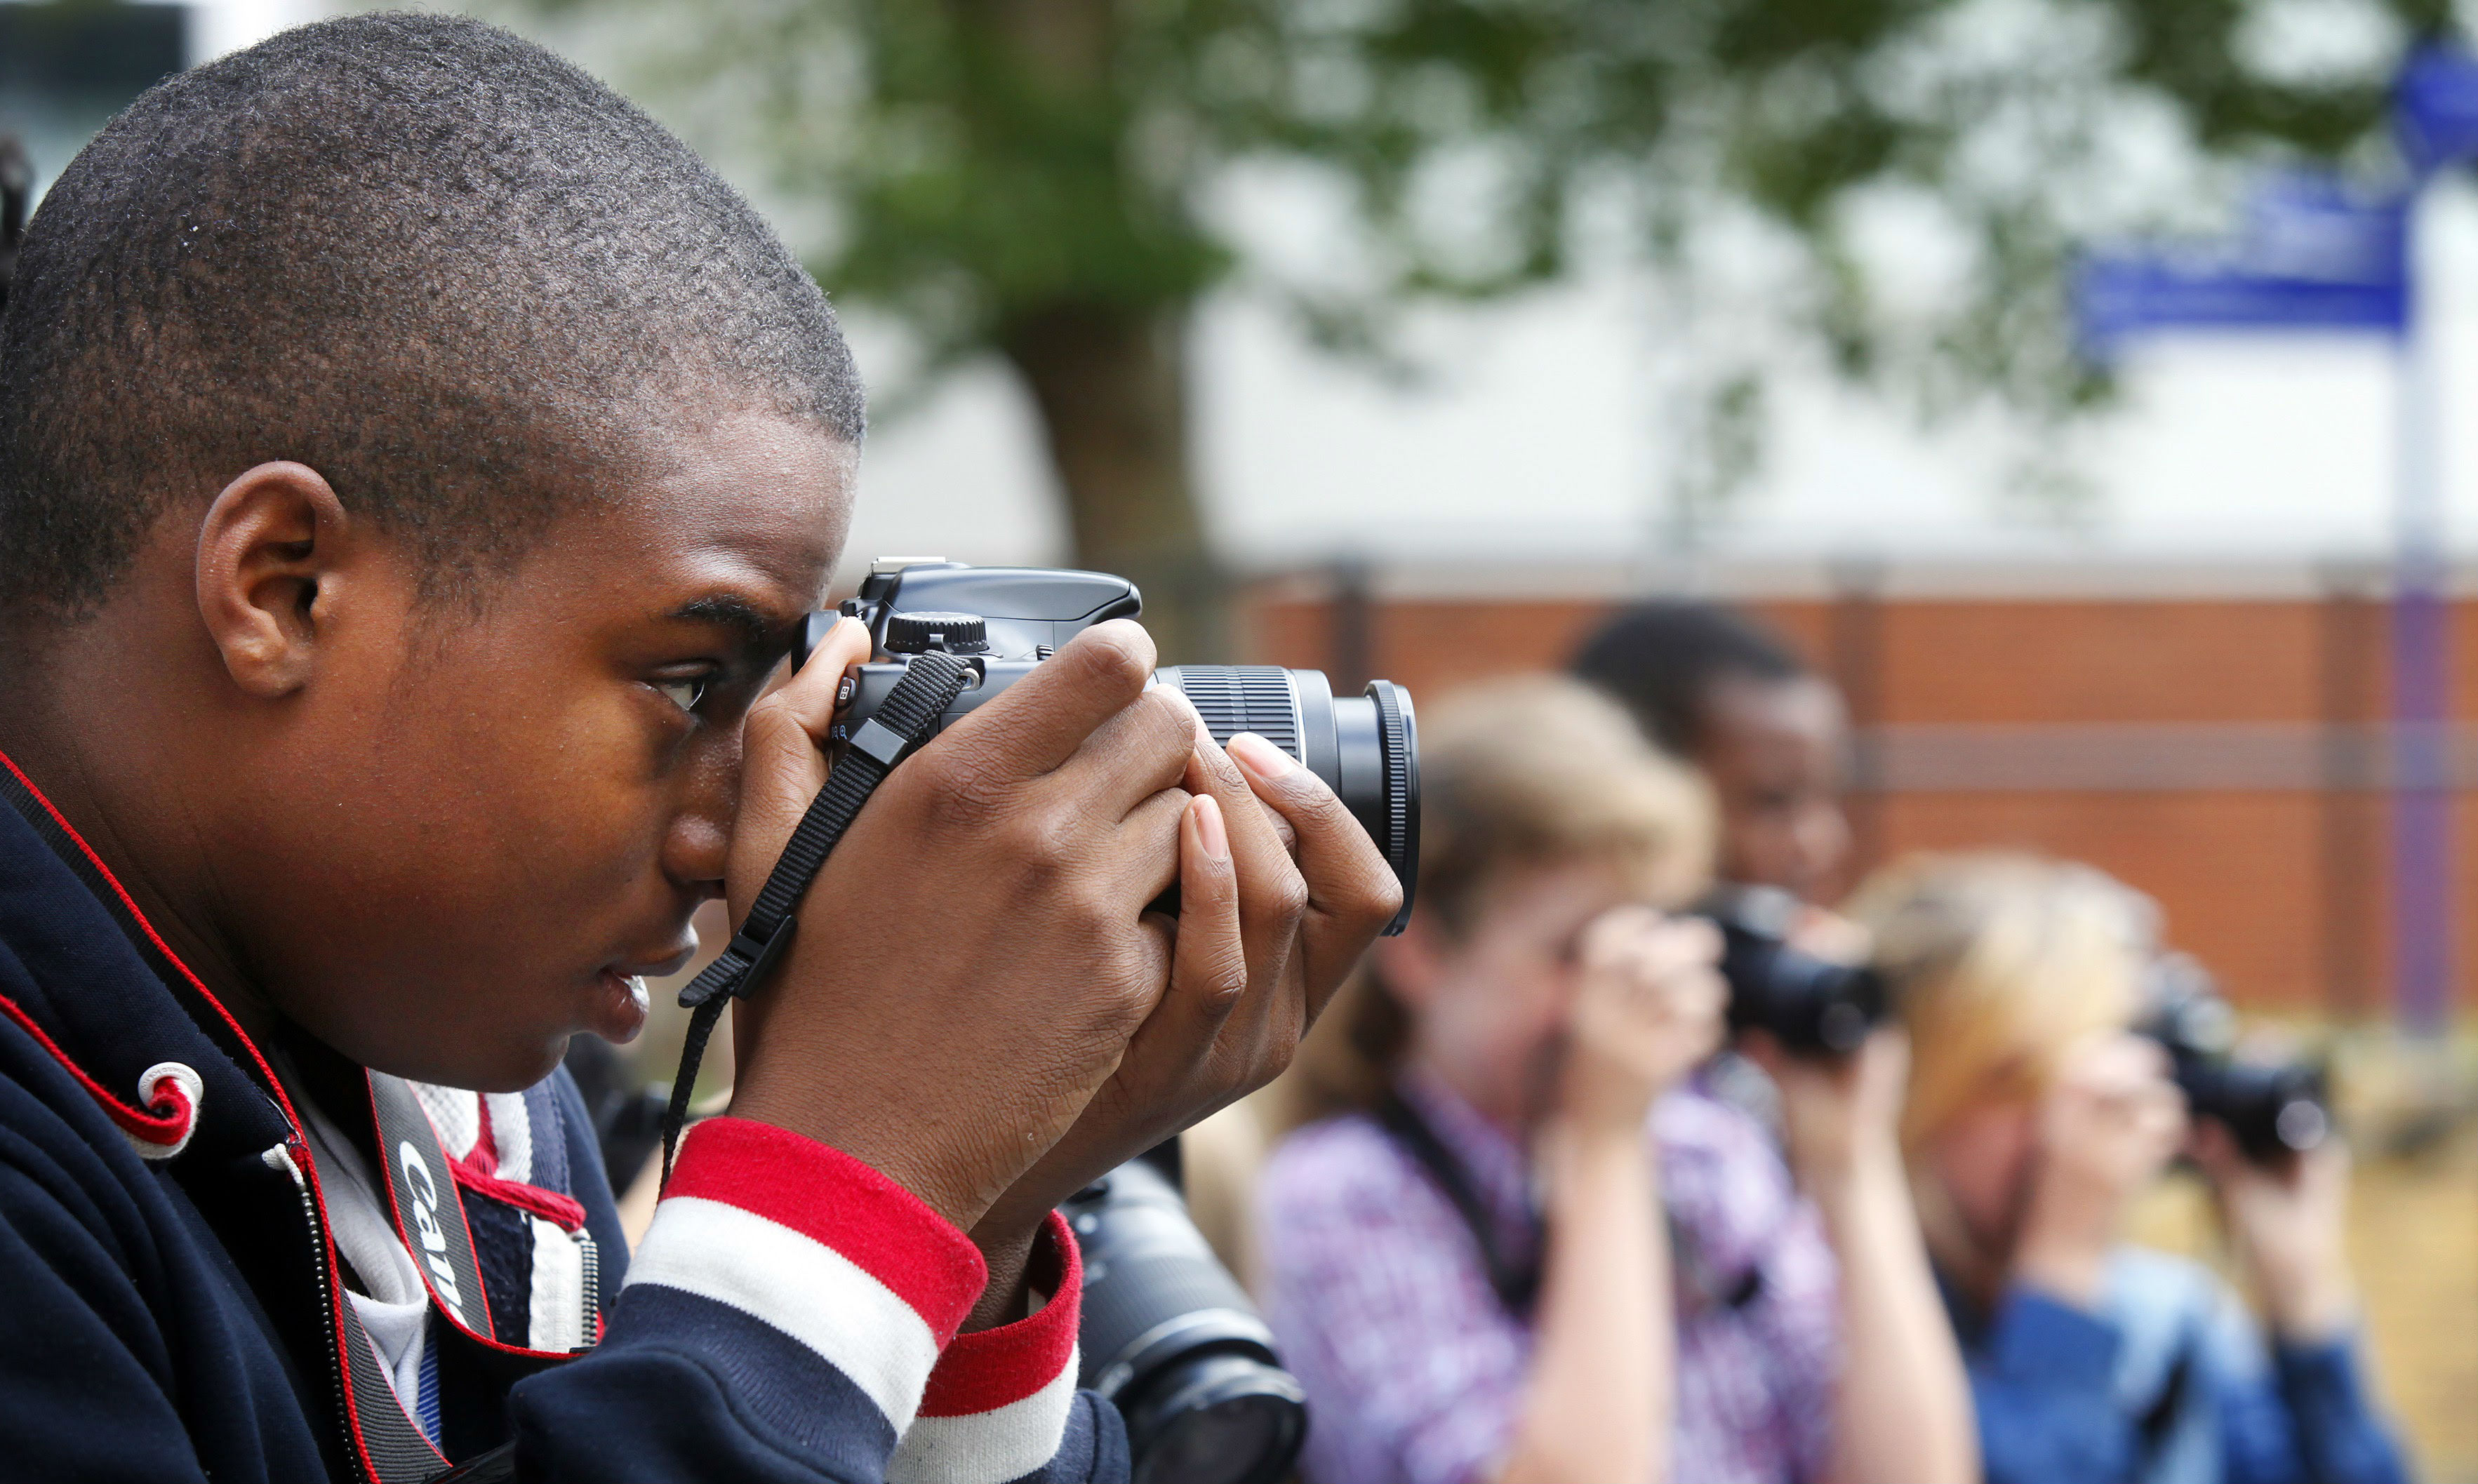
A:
(1111, 385)
(1111, 379)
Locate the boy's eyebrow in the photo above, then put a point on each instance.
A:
(758, 628)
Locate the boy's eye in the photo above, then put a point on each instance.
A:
(684, 694)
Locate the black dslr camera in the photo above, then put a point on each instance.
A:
(1168, 1336)
(1003, 620)
(1812, 1006)
(2275, 1110)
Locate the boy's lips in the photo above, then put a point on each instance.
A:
(620, 999)
(619, 1006)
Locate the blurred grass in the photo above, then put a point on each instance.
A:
(2413, 1236)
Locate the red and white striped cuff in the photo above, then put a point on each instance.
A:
(818, 1245)
(997, 1404)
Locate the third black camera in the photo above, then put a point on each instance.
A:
(1172, 1341)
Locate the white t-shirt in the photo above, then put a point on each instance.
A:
(397, 1309)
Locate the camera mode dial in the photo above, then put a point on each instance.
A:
(920, 633)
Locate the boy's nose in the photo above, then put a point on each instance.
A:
(699, 842)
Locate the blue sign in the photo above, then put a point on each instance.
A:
(2434, 108)
(2310, 254)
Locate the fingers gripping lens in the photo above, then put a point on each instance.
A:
(1365, 747)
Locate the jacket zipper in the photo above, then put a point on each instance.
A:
(593, 1257)
(280, 1157)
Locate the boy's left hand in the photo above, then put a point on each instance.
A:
(1296, 926)
(1838, 1113)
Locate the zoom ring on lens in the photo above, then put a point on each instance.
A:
(1236, 698)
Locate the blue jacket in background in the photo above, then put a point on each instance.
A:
(2170, 1383)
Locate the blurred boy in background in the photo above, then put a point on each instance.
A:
(2034, 1119)
(1669, 1308)
(1712, 687)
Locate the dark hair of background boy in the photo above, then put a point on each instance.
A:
(1661, 661)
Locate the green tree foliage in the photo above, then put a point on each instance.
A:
(1051, 180)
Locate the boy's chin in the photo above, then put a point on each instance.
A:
(511, 1068)
(526, 1065)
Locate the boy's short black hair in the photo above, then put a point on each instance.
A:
(1662, 658)
(430, 259)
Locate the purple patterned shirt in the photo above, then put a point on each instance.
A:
(1413, 1368)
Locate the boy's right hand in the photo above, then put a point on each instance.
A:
(2288, 1224)
(969, 964)
(1648, 1012)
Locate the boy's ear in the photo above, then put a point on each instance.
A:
(267, 572)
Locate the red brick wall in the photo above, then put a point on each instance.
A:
(2033, 661)
(2280, 891)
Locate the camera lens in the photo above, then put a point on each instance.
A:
(1365, 747)
(1232, 1420)
(1808, 1004)
(1172, 1341)
(2274, 1109)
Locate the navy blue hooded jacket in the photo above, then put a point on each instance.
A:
(171, 1308)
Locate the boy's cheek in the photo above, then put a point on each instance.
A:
(454, 932)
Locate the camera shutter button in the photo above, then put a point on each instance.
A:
(920, 633)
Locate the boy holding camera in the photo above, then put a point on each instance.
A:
(1515, 1245)
(414, 467)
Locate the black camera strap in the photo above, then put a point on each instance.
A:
(910, 711)
(1517, 1285)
